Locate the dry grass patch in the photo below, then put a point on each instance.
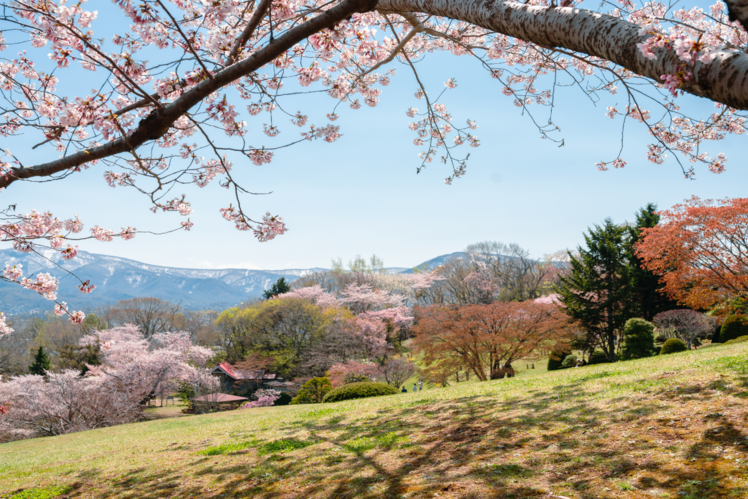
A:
(670, 427)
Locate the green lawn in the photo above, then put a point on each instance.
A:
(669, 427)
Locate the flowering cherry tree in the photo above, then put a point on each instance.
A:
(262, 398)
(180, 85)
(133, 370)
(314, 294)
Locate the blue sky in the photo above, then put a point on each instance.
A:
(361, 195)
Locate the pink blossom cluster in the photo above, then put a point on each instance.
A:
(314, 294)
(262, 398)
(4, 327)
(266, 230)
(362, 298)
(44, 284)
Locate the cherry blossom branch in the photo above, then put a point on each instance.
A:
(254, 21)
(186, 40)
(157, 123)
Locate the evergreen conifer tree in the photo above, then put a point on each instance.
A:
(646, 285)
(638, 339)
(598, 291)
(41, 363)
(280, 287)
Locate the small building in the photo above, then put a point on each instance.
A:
(216, 402)
(246, 381)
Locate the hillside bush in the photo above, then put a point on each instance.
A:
(569, 361)
(313, 391)
(359, 390)
(734, 326)
(598, 357)
(556, 359)
(673, 345)
(739, 339)
(638, 339)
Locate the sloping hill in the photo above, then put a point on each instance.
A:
(667, 427)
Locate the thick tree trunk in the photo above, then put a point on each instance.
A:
(738, 10)
(725, 80)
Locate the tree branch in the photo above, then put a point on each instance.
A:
(254, 21)
(157, 123)
(724, 80)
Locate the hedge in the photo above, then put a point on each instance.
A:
(359, 390)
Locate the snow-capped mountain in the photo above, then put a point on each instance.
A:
(118, 278)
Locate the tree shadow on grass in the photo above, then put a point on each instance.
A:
(479, 447)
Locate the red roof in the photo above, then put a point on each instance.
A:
(228, 369)
(219, 397)
(241, 373)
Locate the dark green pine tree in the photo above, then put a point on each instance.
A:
(280, 287)
(598, 291)
(648, 300)
(41, 363)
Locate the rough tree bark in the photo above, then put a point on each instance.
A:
(724, 80)
(738, 10)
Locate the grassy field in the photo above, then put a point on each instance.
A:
(670, 427)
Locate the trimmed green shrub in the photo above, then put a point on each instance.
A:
(556, 359)
(734, 326)
(638, 339)
(359, 390)
(313, 391)
(569, 361)
(598, 357)
(673, 345)
(739, 339)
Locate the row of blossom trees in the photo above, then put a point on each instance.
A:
(132, 371)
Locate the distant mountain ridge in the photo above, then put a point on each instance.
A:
(119, 278)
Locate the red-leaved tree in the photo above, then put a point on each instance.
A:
(484, 339)
(700, 248)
